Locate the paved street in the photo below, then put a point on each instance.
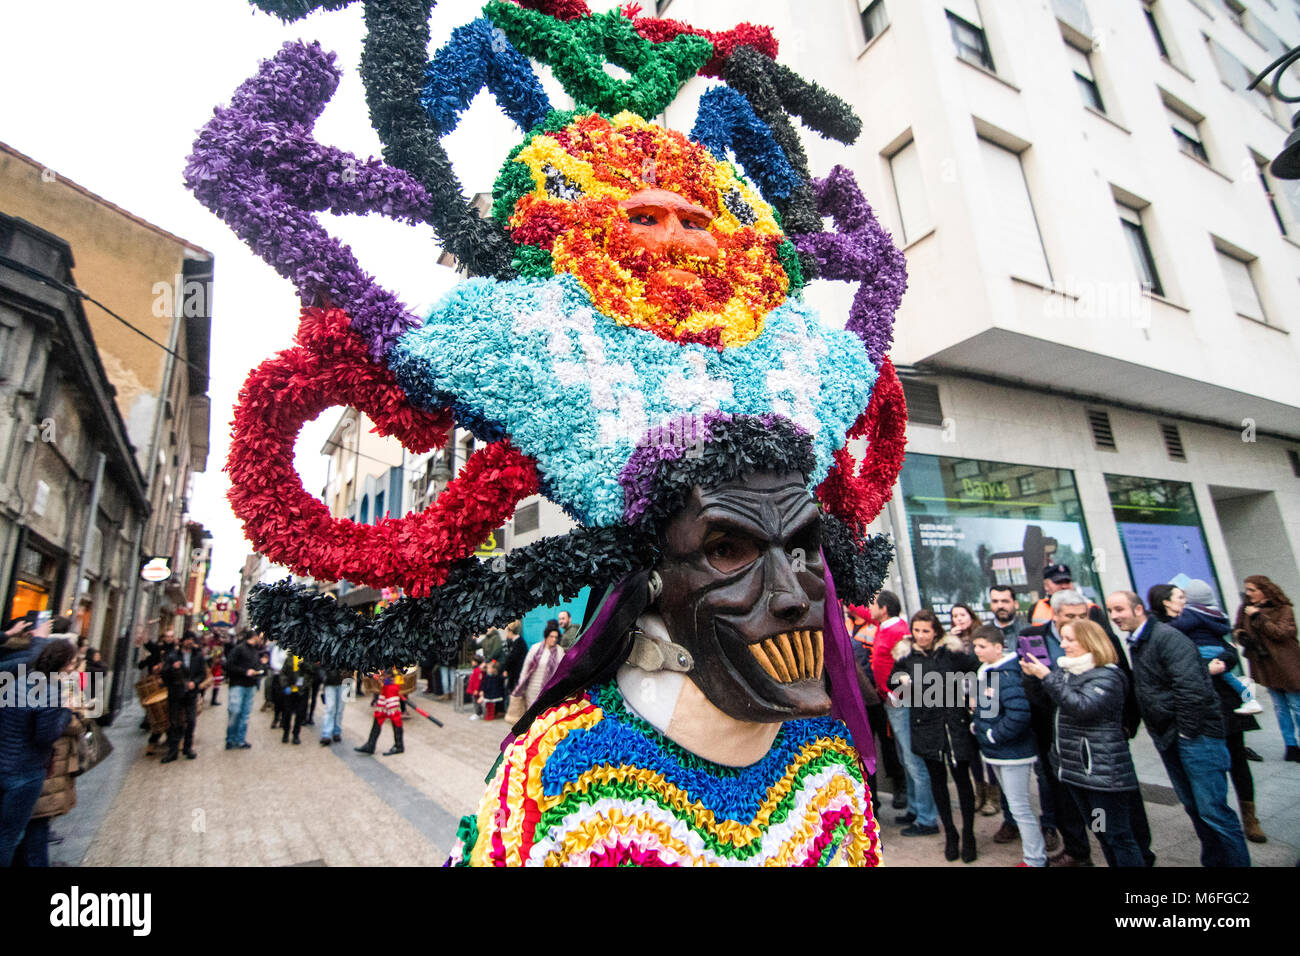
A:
(281, 805)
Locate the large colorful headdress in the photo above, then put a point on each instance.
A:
(593, 379)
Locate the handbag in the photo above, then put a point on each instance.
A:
(515, 710)
(93, 747)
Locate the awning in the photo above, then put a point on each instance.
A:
(359, 596)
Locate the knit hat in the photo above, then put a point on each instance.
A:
(1199, 592)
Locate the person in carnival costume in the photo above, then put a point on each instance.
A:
(633, 344)
(387, 706)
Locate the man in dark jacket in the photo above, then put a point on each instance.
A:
(245, 666)
(512, 655)
(296, 677)
(183, 671)
(1183, 716)
(1006, 614)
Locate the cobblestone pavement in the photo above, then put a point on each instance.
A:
(284, 805)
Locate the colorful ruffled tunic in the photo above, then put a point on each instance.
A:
(591, 784)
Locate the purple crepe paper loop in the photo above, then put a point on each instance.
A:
(859, 250)
(670, 442)
(846, 695)
(257, 166)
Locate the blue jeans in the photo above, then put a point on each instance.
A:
(332, 723)
(1228, 677)
(34, 850)
(1198, 769)
(18, 795)
(239, 701)
(919, 799)
(1287, 705)
(447, 676)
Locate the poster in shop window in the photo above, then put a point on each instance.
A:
(959, 557)
(1159, 553)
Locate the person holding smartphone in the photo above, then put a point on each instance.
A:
(1090, 754)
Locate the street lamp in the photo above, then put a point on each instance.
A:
(1287, 163)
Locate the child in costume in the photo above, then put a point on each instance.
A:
(634, 345)
(387, 706)
(217, 667)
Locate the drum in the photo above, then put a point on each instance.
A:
(153, 697)
(157, 713)
(409, 681)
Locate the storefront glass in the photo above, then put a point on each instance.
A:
(975, 523)
(1160, 528)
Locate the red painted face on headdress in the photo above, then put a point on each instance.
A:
(662, 236)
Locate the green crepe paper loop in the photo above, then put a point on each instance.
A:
(577, 51)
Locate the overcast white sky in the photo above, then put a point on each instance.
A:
(110, 95)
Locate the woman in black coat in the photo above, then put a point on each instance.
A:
(1090, 755)
(931, 671)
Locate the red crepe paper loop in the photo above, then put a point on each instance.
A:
(855, 493)
(329, 367)
(724, 42)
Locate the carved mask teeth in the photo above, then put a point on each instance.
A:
(791, 656)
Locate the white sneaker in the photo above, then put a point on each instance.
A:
(1249, 707)
(477, 717)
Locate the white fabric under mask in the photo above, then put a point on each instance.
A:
(652, 695)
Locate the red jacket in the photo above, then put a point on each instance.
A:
(882, 651)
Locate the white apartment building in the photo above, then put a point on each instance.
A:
(1098, 339)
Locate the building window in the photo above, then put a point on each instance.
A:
(1157, 520)
(1163, 50)
(526, 519)
(874, 18)
(661, 6)
(1241, 286)
(1018, 237)
(972, 45)
(1081, 63)
(1261, 167)
(1140, 250)
(1188, 134)
(923, 405)
(1262, 35)
(973, 524)
(1237, 77)
(365, 509)
(379, 506)
(1236, 12)
(909, 191)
